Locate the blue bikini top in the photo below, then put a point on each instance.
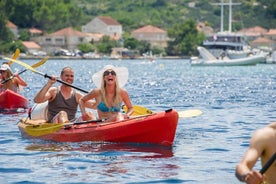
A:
(102, 107)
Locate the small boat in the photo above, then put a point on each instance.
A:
(207, 59)
(10, 100)
(157, 128)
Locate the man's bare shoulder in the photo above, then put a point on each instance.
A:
(264, 134)
(272, 126)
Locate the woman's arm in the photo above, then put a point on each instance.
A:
(85, 101)
(19, 80)
(127, 102)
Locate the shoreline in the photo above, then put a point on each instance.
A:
(88, 58)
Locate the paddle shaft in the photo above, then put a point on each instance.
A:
(45, 75)
(101, 120)
(11, 77)
(41, 62)
(85, 122)
(268, 164)
(65, 83)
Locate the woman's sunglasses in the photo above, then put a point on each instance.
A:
(106, 73)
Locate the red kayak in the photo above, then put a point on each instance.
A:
(157, 128)
(10, 100)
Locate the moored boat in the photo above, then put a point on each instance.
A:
(207, 59)
(157, 128)
(10, 100)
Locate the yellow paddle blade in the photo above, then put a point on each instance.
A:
(15, 56)
(138, 110)
(41, 62)
(189, 113)
(21, 63)
(42, 129)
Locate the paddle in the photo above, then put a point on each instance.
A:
(41, 62)
(189, 113)
(140, 110)
(268, 164)
(37, 130)
(48, 128)
(15, 55)
(45, 75)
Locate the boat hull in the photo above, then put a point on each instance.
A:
(209, 60)
(231, 62)
(11, 100)
(158, 128)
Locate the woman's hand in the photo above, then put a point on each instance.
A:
(88, 116)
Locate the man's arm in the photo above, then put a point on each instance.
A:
(45, 93)
(257, 146)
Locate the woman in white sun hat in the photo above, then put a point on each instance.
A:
(109, 94)
(9, 80)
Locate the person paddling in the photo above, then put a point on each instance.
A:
(9, 80)
(63, 101)
(263, 145)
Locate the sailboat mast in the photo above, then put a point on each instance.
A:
(222, 4)
(221, 16)
(230, 17)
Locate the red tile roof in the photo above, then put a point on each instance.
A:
(11, 25)
(271, 32)
(253, 31)
(149, 29)
(31, 45)
(35, 31)
(68, 32)
(109, 20)
(262, 40)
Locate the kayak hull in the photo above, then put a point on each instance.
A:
(11, 100)
(158, 128)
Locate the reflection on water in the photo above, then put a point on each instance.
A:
(206, 148)
(144, 151)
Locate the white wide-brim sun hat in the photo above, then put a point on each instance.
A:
(121, 75)
(5, 67)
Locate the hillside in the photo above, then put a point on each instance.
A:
(163, 13)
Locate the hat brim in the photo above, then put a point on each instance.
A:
(121, 74)
(5, 67)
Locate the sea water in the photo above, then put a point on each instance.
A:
(235, 101)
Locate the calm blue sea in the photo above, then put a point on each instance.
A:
(235, 101)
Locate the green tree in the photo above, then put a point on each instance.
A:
(86, 47)
(131, 43)
(185, 39)
(106, 44)
(5, 34)
(24, 35)
(143, 47)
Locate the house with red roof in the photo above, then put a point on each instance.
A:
(13, 28)
(253, 32)
(271, 34)
(262, 42)
(66, 38)
(33, 48)
(154, 35)
(104, 25)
